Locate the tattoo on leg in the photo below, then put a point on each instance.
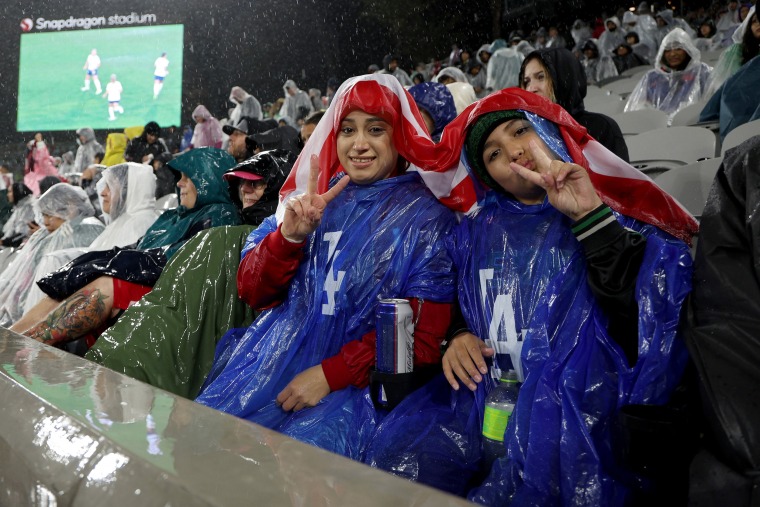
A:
(78, 315)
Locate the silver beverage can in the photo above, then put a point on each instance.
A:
(395, 336)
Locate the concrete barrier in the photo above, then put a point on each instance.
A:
(73, 433)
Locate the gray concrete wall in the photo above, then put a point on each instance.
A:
(73, 433)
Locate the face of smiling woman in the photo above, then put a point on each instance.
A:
(188, 194)
(365, 148)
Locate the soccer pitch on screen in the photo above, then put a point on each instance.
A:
(51, 78)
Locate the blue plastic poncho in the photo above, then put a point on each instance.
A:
(522, 285)
(375, 241)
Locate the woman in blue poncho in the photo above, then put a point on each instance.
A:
(303, 366)
(581, 301)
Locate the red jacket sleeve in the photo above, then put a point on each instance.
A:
(352, 364)
(265, 272)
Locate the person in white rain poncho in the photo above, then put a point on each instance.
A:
(127, 198)
(504, 69)
(679, 77)
(16, 229)
(68, 218)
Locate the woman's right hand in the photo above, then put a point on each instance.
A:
(465, 358)
(303, 213)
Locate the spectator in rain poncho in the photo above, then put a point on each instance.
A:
(598, 66)
(146, 147)
(679, 77)
(737, 100)
(38, 164)
(297, 105)
(104, 283)
(390, 66)
(708, 38)
(67, 164)
(746, 40)
(557, 75)
(540, 38)
(580, 33)
(639, 49)
(127, 199)
(168, 338)
(555, 39)
(504, 69)
(246, 106)
(477, 76)
(16, 229)
(315, 95)
(483, 55)
(450, 75)
(647, 47)
(68, 223)
(524, 48)
(208, 131)
(116, 144)
(319, 329)
(728, 20)
(88, 148)
(667, 23)
(612, 37)
(536, 285)
(436, 105)
(463, 93)
(626, 58)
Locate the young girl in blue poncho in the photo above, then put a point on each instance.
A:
(581, 301)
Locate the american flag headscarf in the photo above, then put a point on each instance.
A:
(619, 185)
(377, 94)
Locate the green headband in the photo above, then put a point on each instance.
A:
(476, 139)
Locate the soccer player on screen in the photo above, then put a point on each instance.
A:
(91, 66)
(162, 70)
(113, 91)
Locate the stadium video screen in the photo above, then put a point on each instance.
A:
(59, 73)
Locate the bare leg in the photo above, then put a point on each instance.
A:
(35, 315)
(81, 313)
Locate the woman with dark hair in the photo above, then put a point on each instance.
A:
(147, 146)
(556, 75)
(17, 229)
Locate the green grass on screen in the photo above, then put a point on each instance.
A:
(51, 78)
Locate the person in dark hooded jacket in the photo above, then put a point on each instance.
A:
(88, 293)
(625, 58)
(436, 106)
(147, 147)
(557, 75)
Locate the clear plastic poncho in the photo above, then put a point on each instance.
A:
(23, 213)
(504, 69)
(522, 285)
(79, 229)
(672, 90)
(731, 59)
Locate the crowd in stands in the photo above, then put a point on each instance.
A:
(239, 262)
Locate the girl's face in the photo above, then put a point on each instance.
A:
(510, 142)
(250, 191)
(705, 30)
(537, 80)
(754, 25)
(188, 194)
(365, 147)
(51, 222)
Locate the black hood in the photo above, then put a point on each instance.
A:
(567, 75)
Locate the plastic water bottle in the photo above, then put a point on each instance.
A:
(499, 406)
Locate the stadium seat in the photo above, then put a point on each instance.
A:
(594, 91)
(711, 57)
(166, 202)
(622, 87)
(605, 104)
(636, 72)
(637, 122)
(662, 149)
(689, 115)
(690, 184)
(740, 134)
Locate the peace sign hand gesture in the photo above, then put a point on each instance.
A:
(567, 185)
(303, 213)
